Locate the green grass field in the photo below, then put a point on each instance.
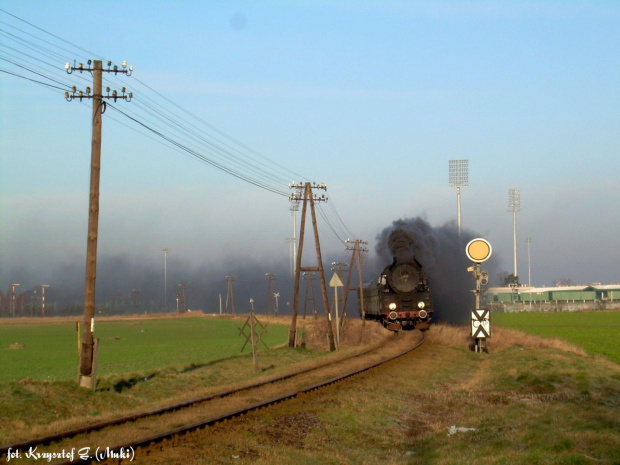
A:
(50, 349)
(596, 332)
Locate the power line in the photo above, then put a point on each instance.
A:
(202, 157)
(152, 114)
(30, 79)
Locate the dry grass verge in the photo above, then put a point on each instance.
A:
(501, 339)
(528, 401)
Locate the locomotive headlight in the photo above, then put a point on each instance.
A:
(422, 314)
(420, 305)
(392, 306)
(393, 315)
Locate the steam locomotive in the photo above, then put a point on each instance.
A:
(400, 298)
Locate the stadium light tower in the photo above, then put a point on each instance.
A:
(458, 178)
(514, 206)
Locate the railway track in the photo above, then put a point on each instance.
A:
(143, 429)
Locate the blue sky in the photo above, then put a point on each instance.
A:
(372, 98)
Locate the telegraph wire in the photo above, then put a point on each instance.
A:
(224, 155)
(202, 157)
(330, 224)
(48, 33)
(219, 151)
(28, 44)
(292, 173)
(165, 125)
(35, 72)
(32, 80)
(344, 229)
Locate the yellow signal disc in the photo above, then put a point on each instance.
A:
(478, 250)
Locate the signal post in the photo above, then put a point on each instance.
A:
(478, 251)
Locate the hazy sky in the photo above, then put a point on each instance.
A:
(372, 98)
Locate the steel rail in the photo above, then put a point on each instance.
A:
(238, 412)
(62, 435)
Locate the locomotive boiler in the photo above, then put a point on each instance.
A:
(400, 297)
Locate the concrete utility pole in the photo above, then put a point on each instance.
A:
(514, 206)
(229, 295)
(270, 292)
(294, 208)
(12, 298)
(458, 177)
(291, 244)
(165, 251)
(528, 241)
(86, 378)
(43, 286)
(309, 197)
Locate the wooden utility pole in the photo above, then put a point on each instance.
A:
(309, 197)
(309, 287)
(135, 295)
(183, 307)
(87, 369)
(93, 227)
(270, 293)
(357, 255)
(254, 337)
(253, 333)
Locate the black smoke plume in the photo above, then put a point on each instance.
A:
(131, 285)
(441, 252)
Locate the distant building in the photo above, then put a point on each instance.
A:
(594, 296)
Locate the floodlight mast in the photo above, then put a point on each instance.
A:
(458, 177)
(514, 206)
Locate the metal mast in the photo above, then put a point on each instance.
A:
(458, 177)
(294, 208)
(514, 206)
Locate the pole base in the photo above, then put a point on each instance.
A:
(87, 382)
